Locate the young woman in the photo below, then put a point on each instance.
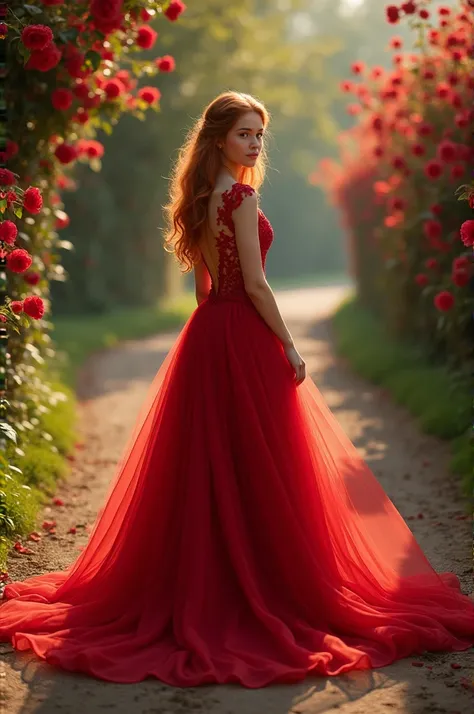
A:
(244, 539)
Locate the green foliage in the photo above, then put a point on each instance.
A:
(39, 455)
(439, 399)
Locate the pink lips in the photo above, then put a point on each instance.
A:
(253, 156)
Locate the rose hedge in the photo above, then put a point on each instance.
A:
(408, 220)
(72, 69)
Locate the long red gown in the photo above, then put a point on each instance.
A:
(243, 538)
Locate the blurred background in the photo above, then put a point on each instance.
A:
(292, 55)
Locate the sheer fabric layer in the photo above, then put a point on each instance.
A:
(243, 538)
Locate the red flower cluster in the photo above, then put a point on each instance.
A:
(7, 178)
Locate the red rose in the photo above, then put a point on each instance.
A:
(432, 229)
(19, 260)
(425, 129)
(7, 178)
(467, 233)
(32, 200)
(92, 148)
(106, 9)
(393, 14)
(81, 116)
(447, 151)
(74, 66)
(409, 8)
(418, 150)
(81, 90)
(433, 169)
(34, 307)
(398, 162)
(457, 171)
(65, 153)
(16, 306)
(421, 279)
(443, 90)
(8, 232)
(107, 15)
(461, 263)
(92, 102)
(396, 42)
(12, 148)
(174, 10)
(397, 204)
(62, 99)
(377, 123)
(436, 208)
(3, 30)
(124, 76)
(44, 60)
(32, 278)
(146, 37)
(431, 263)
(145, 15)
(460, 277)
(113, 88)
(36, 37)
(424, 14)
(150, 95)
(357, 67)
(167, 63)
(444, 301)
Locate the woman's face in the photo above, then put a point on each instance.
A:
(243, 142)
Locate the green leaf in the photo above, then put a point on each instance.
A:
(18, 211)
(8, 431)
(94, 59)
(3, 203)
(69, 35)
(33, 10)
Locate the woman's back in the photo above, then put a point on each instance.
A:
(218, 244)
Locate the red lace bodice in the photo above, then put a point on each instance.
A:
(230, 278)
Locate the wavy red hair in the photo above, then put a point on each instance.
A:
(194, 174)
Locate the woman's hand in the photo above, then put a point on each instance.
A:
(297, 362)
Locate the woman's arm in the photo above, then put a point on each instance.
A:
(245, 219)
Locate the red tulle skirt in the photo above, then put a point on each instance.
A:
(243, 538)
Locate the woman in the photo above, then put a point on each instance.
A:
(244, 539)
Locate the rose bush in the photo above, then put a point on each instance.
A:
(72, 71)
(408, 221)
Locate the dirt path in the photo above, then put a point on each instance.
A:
(412, 468)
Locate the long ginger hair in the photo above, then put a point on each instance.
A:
(194, 174)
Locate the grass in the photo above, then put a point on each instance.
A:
(439, 400)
